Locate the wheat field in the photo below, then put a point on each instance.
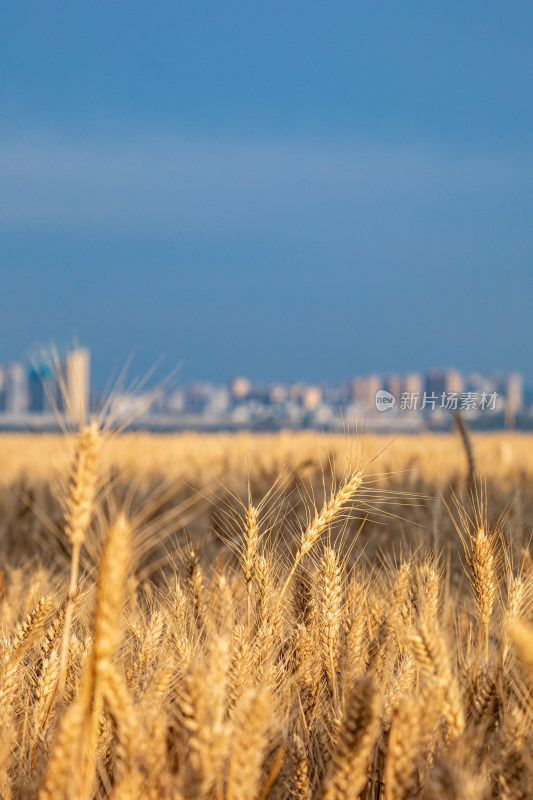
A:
(243, 617)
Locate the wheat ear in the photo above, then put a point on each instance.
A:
(251, 724)
(330, 616)
(77, 518)
(403, 749)
(114, 565)
(251, 542)
(320, 523)
(359, 730)
(482, 564)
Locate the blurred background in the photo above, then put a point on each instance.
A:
(285, 191)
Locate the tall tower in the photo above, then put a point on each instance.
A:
(77, 375)
(15, 391)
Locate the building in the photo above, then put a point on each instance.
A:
(60, 385)
(364, 391)
(446, 381)
(278, 394)
(76, 370)
(296, 392)
(15, 389)
(240, 388)
(176, 402)
(219, 401)
(43, 389)
(393, 384)
(312, 397)
(514, 391)
(413, 383)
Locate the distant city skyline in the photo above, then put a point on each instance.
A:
(57, 382)
(161, 368)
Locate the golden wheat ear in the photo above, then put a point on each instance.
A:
(320, 523)
(330, 604)
(249, 555)
(71, 770)
(349, 770)
(78, 514)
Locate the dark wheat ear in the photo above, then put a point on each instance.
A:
(469, 452)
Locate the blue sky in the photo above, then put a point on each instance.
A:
(285, 190)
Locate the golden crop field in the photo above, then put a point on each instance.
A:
(252, 617)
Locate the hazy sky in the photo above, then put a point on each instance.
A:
(280, 189)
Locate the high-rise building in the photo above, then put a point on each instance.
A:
(15, 389)
(413, 383)
(364, 391)
(77, 379)
(393, 384)
(444, 381)
(43, 389)
(515, 391)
